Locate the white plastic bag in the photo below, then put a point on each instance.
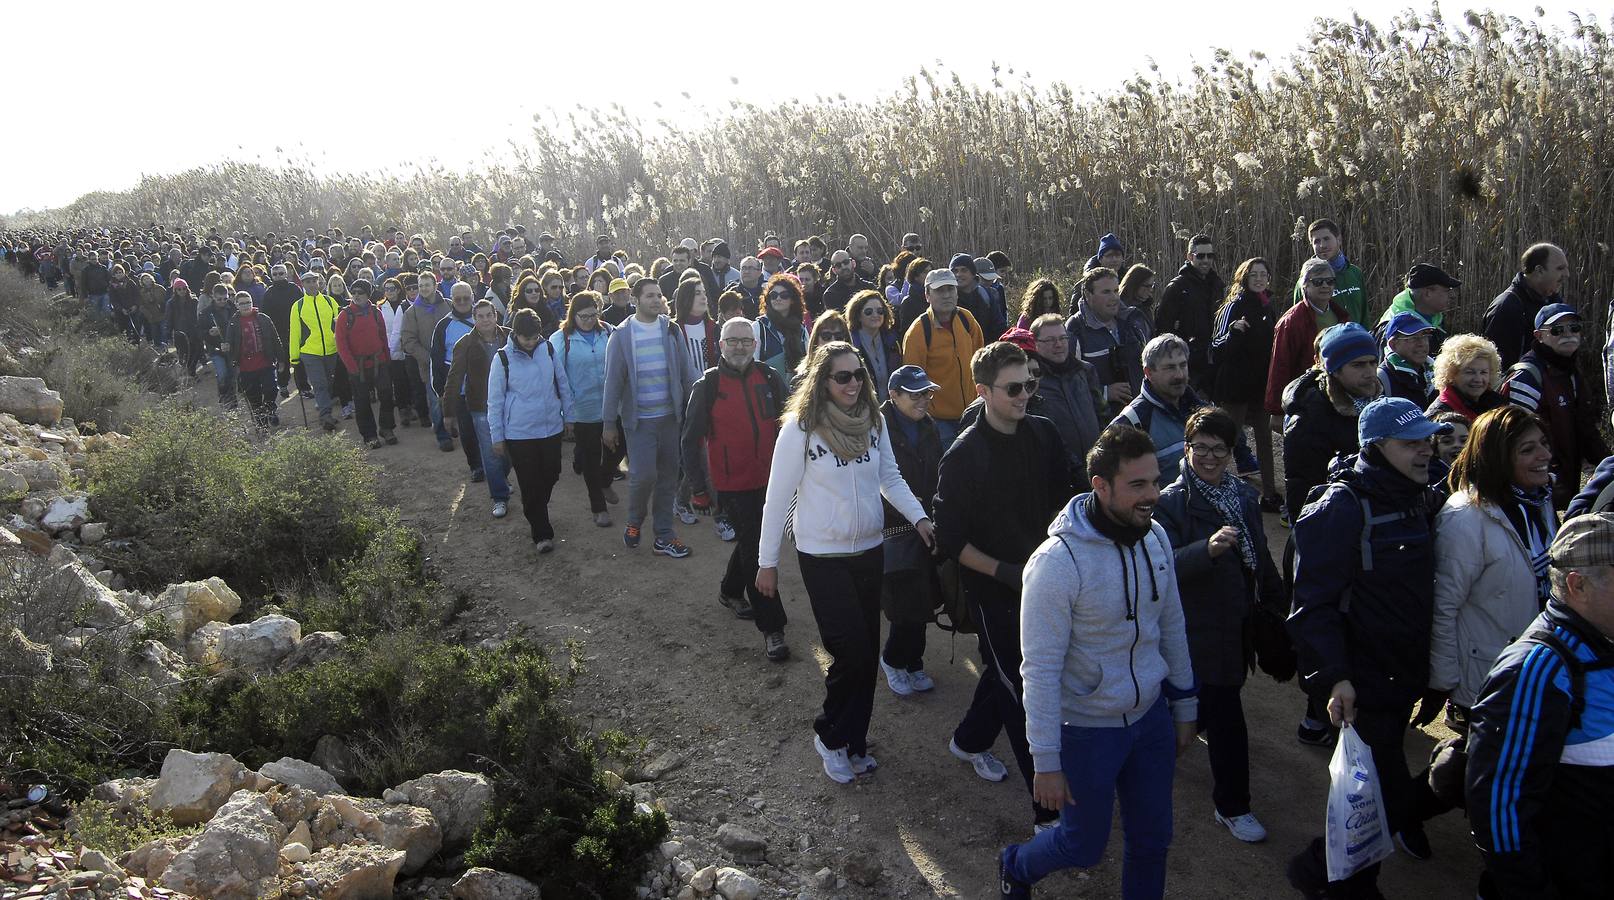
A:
(1358, 832)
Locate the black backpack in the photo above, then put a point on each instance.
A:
(505, 361)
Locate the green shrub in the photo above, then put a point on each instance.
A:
(102, 379)
(101, 826)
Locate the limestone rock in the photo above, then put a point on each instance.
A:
(287, 770)
(193, 786)
(40, 475)
(154, 660)
(124, 794)
(202, 648)
(741, 840)
(191, 604)
(95, 860)
(150, 860)
(89, 532)
(13, 484)
(352, 872)
(314, 649)
(295, 851)
(66, 511)
(411, 829)
(236, 856)
(22, 656)
(479, 883)
(259, 645)
(29, 400)
(732, 884)
(457, 800)
(704, 880)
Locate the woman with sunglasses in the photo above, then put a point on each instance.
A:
(780, 333)
(1545, 382)
(831, 466)
(1041, 297)
(874, 334)
(1241, 349)
(529, 294)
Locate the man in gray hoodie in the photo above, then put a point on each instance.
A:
(1109, 688)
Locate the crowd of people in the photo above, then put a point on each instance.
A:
(1081, 482)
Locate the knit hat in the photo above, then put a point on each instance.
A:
(965, 260)
(1021, 338)
(1107, 243)
(722, 249)
(617, 284)
(180, 283)
(1345, 342)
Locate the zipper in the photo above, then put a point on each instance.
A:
(1132, 652)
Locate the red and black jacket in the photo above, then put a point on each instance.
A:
(737, 415)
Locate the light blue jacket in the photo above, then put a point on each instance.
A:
(582, 355)
(529, 398)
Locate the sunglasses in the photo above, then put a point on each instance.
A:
(1204, 256)
(1321, 282)
(781, 295)
(828, 336)
(1560, 330)
(1016, 388)
(874, 311)
(859, 373)
(531, 290)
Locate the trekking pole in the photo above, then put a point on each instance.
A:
(300, 403)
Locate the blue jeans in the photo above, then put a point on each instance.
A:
(225, 376)
(496, 470)
(947, 429)
(434, 409)
(1137, 764)
(320, 371)
(653, 472)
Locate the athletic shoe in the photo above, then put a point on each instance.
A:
(1415, 842)
(544, 546)
(500, 508)
(836, 764)
(896, 679)
(986, 765)
(725, 531)
(863, 764)
(685, 514)
(306, 395)
(1009, 887)
(1246, 828)
(446, 445)
(630, 536)
(775, 647)
(672, 547)
(388, 436)
(347, 410)
(373, 443)
(740, 606)
(329, 423)
(1323, 736)
(1271, 505)
(602, 519)
(610, 495)
(1039, 827)
(285, 394)
(920, 681)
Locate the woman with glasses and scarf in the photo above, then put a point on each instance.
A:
(832, 464)
(1224, 572)
(874, 334)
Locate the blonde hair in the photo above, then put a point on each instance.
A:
(806, 405)
(1461, 350)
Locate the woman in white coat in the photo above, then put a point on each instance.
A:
(1491, 541)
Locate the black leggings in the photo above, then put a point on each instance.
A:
(845, 596)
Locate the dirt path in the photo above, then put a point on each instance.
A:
(667, 663)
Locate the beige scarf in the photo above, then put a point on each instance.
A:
(846, 433)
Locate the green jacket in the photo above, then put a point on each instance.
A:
(1348, 292)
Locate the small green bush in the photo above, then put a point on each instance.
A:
(102, 379)
(101, 826)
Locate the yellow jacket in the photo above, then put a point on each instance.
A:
(313, 327)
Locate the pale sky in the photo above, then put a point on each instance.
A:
(158, 88)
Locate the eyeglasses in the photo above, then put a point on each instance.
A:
(1220, 451)
(827, 336)
(737, 343)
(1016, 388)
(874, 311)
(1320, 282)
(1061, 339)
(1204, 256)
(860, 373)
(1559, 330)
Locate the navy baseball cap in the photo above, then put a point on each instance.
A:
(1407, 323)
(1552, 312)
(911, 379)
(1396, 417)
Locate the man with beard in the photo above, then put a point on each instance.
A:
(846, 281)
(1188, 307)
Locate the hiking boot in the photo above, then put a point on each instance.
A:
(685, 514)
(836, 763)
(446, 445)
(329, 423)
(602, 519)
(477, 475)
(630, 536)
(610, 495)
(1246, 828)
(544, 546)
(1415, 842)
(863, 763)
(387, 435)
(725, 531)
(986, 765)
(740, 606)
(897, 679)
(501, 508)
(672, 547)
(373, 443)
(775, 647)
(920, 681)
(1009, 887)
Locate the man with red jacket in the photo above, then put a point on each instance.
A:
(361, 341)
(254, 349)
(734, 408)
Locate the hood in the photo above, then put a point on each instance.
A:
(1074, 525)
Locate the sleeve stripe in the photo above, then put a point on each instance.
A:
(1536, 673)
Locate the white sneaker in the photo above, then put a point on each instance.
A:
(500, 508)
(920, 681)
(1040, 827)
(725, 531)
(685, 514)
(836, 764)
(897, 679)
(1246, 827)
(986, 765)
(863, 764)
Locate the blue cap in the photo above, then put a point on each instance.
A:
(1406, 323)
(1345, 342)
(1552, 312)
(911, 379)
(1395, 417)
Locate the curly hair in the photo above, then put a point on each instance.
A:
(1032, 304)
(1460, 350)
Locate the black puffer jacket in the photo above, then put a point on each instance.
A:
(1316, 428)
(1241, 358)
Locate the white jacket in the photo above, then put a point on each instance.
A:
(1485, 594)
(837, 504)
(394, 319)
